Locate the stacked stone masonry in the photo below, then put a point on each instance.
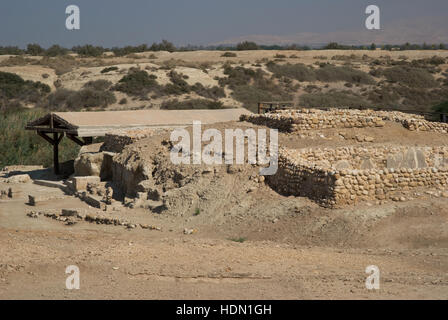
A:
(309, 119)
(343, 176)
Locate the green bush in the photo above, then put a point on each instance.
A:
(56, 50)
(409, 76)
(191, 104)
(214, 92)
(109, 69)
(333, 100)
(247, 45)
(229, 55)
(251, 86)
(14, 89)
(100, 85)
(34, 50)
(89, 50)
(299, 71)
(69, 100)
(21, 147)
(137, 83)
(330, 73)
(442, 107)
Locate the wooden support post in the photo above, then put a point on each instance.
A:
(259, 107)
(56, 153)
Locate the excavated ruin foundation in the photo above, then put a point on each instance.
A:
(342, 176)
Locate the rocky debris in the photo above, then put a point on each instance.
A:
(108, 197)
(70, 212)
(20, 178)
(72, 216)
(424, 125)
(81, 183)
(189, 231)
(32, 200)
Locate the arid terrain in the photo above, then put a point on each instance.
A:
(246, 242)
(221, 231)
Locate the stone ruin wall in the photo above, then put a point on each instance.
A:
(309, 119)
(394, 170)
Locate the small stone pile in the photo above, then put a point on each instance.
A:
(341, 176)
(424, 125)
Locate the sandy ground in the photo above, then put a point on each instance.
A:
(260, 245)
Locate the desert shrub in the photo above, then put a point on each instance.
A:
(240, 76)
(297, 71)
(251, 86)
(16, 61)
(191, 104)
(409, 76)
(163, 46)
(64, 99)
(384, 96)
(137, 83)
(22, 147)
(89, 50)
(329, 73)
(123, 101)
(14, 91)
(99, 84)
(279, 56)
(60, 64)
(229, 55)
(34, 49)
(178, 85)
(11, 50)
(434, 60)
(442, 107)
(109, 69)
(247, 45)
(56, 50)
(333, 99)
(214, 92)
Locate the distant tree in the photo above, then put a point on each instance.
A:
(247, 45)
(34, 49)
(11, 50)
(373, 46)
(442, 46)
(165, 45)
(332, 46)
(88, 50)
(56, 50)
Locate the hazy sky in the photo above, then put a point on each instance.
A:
(201, 22)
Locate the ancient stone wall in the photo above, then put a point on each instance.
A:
(115, 141)
(336, 177)
(308, 119)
